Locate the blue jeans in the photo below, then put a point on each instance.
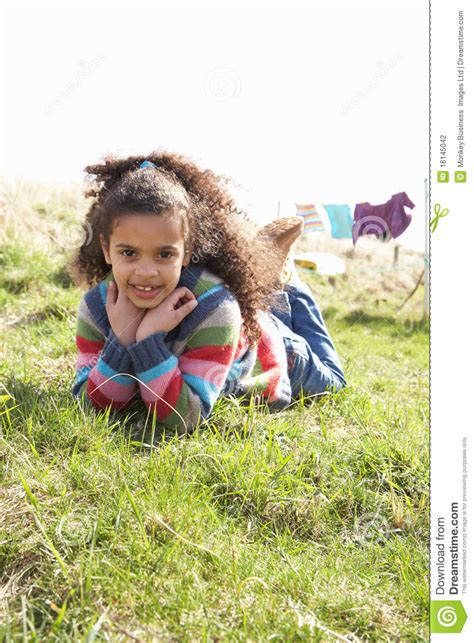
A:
(313, 363)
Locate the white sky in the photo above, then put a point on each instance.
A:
(299, 102)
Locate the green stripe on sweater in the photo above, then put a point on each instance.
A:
(182, 407)
(261, 382)
(203, 285)
(213, 336)
(88, 332)
(257, 369)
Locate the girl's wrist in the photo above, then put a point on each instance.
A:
(124, 338)
(125, 341)
(141, 336)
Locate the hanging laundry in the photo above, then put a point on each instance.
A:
(312, 220)
(341, 221)
(385, 221)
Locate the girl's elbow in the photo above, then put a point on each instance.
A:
(101, 403)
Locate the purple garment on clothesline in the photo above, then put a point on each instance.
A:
(387, 219)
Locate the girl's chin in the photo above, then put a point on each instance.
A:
(146, 303)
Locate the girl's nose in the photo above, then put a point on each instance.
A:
(146, 270)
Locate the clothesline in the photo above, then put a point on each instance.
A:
(386, 221)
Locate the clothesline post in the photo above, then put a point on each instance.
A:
(426, 308)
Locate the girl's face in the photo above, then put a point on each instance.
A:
(146, 251)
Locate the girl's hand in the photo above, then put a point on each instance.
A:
(124, 316)
(167, 315)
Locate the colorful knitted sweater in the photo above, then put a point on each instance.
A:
(181, 373)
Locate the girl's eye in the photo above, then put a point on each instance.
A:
(163, 255)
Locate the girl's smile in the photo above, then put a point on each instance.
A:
(145, 293)
(147, 253)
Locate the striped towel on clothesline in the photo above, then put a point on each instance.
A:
(312, 220)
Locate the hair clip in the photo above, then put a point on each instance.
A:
(147, 164)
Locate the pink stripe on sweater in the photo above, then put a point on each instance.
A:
(86, 359)
(160, 394)
(111, 389)
(158, 384)
(206, 370)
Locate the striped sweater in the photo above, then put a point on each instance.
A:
(180, 374)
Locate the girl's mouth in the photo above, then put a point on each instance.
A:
(144, 292)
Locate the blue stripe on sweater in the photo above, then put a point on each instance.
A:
(159, 370)
(206, 391)
(81, 376)
(210, 292)
(201, 312)
(107, 371)
(103, 291)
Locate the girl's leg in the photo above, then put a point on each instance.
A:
(283, 308)
(307, 322)
(313, 363)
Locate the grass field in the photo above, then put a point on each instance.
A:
(308, 524)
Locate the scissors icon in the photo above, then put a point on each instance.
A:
(438, 214)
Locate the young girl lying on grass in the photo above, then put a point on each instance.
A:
(188, 303)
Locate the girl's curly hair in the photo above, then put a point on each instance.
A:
(220, 234)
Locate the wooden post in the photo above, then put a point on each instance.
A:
(395, 254)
